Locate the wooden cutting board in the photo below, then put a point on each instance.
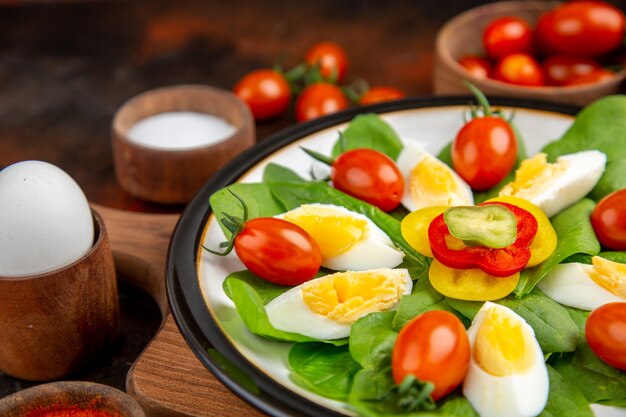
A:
(167, 379)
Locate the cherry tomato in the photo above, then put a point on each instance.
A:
(331, 58)
(432, 347)
(507, 35)
(561, 69)
(278, 251)
(318, 100)
(583, 28)
(265, 91)
(370, 176)
(520, 69)
(605, 331)
(484, 151)
(380, 94)
(595, 76)
(609, 220)
(478, 67)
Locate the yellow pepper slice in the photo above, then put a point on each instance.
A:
(414, 228)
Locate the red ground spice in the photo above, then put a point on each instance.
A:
(70, 411)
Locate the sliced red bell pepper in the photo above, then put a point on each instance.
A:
(497, 262)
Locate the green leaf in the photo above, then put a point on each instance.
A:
(423, 298)
(575, 235)
(372, 339)
(323, 368)
(252, 311)
(564, 398)
(294, 194)
(369, 131)
(602, 126)
(266, 290)
(277, 173)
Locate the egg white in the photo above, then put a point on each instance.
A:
(411, 155)
(375, 251)
(571, 285)
(518, 395)
(289, 313)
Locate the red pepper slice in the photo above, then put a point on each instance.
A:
(497, 262)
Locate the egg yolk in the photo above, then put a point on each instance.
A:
(334, 231)
(503, 346)
(533, 176)
(432, 181)
(610, 275)
(345, 297)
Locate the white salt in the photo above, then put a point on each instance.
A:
(180, 130)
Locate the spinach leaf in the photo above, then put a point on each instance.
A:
(276, 173)
(423, 298)
(372, 339)
(598, 381)
(322, 368)
(575, 235)
(266, 290)
(257, 197)
(583, 258)
(564, 399)
(602, 126)
(369, 131)
(293, 194)
(251, 310)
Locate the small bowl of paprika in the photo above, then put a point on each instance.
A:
(70, 399)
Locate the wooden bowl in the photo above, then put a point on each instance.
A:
(69, 394)
(53, 324)
(463, 36)
(175, 175)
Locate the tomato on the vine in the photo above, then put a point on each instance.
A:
(380, 94)
(562, 69)
(583, 28)
(508, 35)
(477, 66)
(266, 92)
(318, 100)
(369, 175)
(609, 220)
(485, 149)
(520, 69)
(433, 347)
(331, 58)
(605, 331)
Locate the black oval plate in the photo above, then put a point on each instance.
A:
(187, 304)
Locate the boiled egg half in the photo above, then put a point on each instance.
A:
(430, 182)
(507, 374)
(325, 308)
(348, 240)
(586, 287)
(555, 186)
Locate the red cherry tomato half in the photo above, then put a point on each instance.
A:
(319, 100)
(370, 176)
(595, 76)
(380, 94)
(331, 58)
(484, 151)
(478, 67)
(432, 347)
(609, 220)
(278, 251)
(605, 331)
(507, 35)
(265, 91)
(520, 69)
(583, 28)
(561, 69)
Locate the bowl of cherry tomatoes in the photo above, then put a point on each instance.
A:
(567, 52)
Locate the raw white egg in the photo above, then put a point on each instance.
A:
(586, 287)
(325, 308)
(430, 182)
(45, 219)
(507, 374)
(555, 186)
(348, 240)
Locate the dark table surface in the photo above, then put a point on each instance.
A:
(65, 67)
